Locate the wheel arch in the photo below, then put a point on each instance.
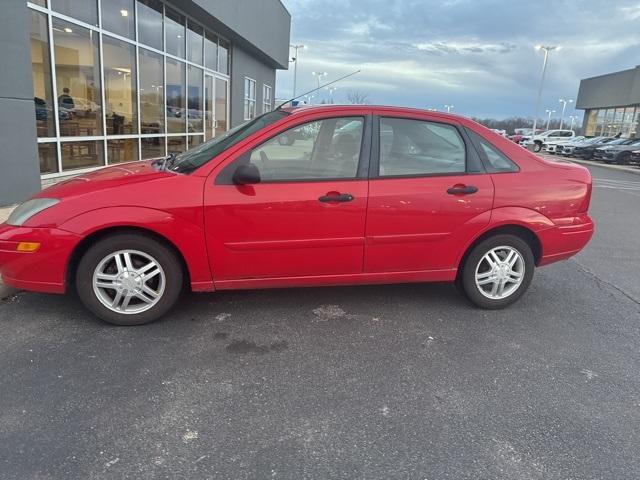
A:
(520, 231)
(96, 236)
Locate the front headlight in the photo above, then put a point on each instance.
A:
(28, 209)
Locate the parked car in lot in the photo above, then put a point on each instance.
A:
(552, 147)
(635, 156)
(537, 141)
(618, 153)
(568, 148)
(587, 150)
(437, 197)
(522, 134)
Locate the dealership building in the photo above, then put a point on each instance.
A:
(611, 103)
(88, 83)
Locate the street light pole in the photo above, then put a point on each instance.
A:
(319, 76)
(564, 106)
(549, 118)
(449, 108)
(573, 119)
(295, 65)
(546, 49)
(331, 90)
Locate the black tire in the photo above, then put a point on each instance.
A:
(466, 277)
(537, 146)
(161, 253)
(623, 159)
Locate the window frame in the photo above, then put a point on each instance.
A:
(247, 98)
(473, 163)
(225, 174)
(267, 107)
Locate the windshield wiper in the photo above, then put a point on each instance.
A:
(165, 163)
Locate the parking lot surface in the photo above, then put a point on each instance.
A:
(372, 382)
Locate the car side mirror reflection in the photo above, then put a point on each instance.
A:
(246, 174)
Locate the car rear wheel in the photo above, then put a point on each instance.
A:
(623, 159)
(129, 279)
(497, 271)
(537, 146)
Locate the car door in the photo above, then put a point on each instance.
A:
(428, 195)
(306, 215)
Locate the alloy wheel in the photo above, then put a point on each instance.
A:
(129, 281)
(500, 272)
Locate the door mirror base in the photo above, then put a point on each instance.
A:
(246, 174)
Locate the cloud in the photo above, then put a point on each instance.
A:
(476, 54)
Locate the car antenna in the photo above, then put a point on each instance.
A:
(316, 89)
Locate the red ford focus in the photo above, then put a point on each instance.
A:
(328, 195)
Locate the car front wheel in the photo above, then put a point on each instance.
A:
(129, 279)
(497, 271)
(537, 147)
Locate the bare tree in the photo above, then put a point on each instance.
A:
(356, 97)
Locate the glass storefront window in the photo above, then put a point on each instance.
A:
(42, 3)
(175, 92)
(633, 131)
(176, 144)
(211, 50)
(82, 154)
(195, 100)
(77, 79)
(151, 92)
(150, 23)
(221, 106)
(48, 154)
(41, 71)
(195, 140)
(152, 147)
(84, 10)
(120, 86)
(122, 150)
(223, 57)
(590, 126)
(118, 17)
(174, 32)
(194, 43)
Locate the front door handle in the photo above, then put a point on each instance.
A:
(462, 190)
(335, 197)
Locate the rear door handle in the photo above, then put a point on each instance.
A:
(462, 190)
(336, 197)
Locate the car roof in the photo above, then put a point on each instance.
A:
(380, 108)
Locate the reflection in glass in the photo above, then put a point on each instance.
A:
(194, 43)
(176, 145)
(48, 154)
(174, 32)
(221, 107)
(176, 116)
(195, 140)
(41, 72)
(152, 147)
(118, 17)
(223, 57)
(195, 99)
(82, 154)
(122, 150)
(211, 50)
(42, 3)
(77, 79)
(150, 23)
(590, 126)
(84, 10)
(151, 92)
(120, 86)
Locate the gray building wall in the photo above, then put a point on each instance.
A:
(616, 89)
(244, 65)
(20, 169)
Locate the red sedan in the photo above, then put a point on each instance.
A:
(361, 195)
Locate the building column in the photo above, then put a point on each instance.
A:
(19, 165)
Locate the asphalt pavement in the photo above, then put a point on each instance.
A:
(373, 382)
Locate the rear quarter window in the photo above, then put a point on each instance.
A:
(495, 161)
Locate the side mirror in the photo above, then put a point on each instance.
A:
(246, 174)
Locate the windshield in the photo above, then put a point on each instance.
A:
(620, 141)
(190, 160)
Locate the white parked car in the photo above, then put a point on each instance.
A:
(552, 147)
(549, 136)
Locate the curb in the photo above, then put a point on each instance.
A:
(618, 168)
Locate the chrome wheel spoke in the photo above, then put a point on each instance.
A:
(485, 281)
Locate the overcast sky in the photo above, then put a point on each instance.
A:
(475, 54)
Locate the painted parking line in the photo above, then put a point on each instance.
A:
(616, 184)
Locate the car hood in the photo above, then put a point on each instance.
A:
(105, 178)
